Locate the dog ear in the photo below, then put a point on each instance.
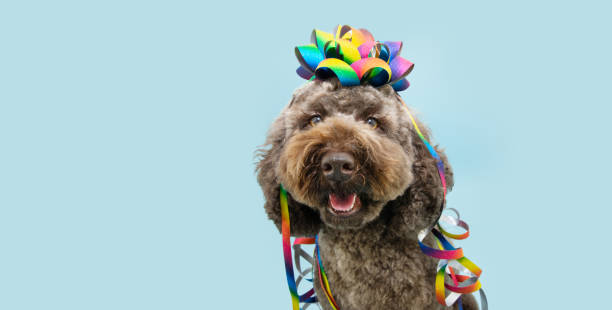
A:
(304, 221)
(421, 204)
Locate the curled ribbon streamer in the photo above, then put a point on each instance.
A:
(349, 46)
(307, 297)
(454, 221)
(467, 282)
(323, 277)
(286, 232)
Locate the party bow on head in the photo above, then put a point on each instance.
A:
(354, 57)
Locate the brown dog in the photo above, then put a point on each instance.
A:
(357, 175)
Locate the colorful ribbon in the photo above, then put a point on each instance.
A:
(286, 232)
(323, 278)
(354, 57)
(308, 297)
(463, 273)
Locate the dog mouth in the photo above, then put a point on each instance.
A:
(344, 205)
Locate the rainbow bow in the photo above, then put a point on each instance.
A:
(354, 57)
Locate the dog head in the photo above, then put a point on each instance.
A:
(343, 154)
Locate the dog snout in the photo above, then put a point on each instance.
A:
(338, 166)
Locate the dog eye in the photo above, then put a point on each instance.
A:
(315, 119)
(372, 122)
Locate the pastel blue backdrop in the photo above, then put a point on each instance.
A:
(128, 131)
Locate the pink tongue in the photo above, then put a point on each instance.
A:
(342, 203)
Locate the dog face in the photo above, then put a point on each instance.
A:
(345, 152)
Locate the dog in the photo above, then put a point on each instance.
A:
(358, 176)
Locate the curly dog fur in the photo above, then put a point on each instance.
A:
(371, 257)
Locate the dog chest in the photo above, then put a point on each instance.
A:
(367, 270)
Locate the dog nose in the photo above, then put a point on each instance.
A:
(338, 166)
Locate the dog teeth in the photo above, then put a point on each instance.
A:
(343, 205)
(349, 210)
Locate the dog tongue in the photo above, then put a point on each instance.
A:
(342, 203)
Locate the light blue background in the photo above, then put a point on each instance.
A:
(127, 133)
